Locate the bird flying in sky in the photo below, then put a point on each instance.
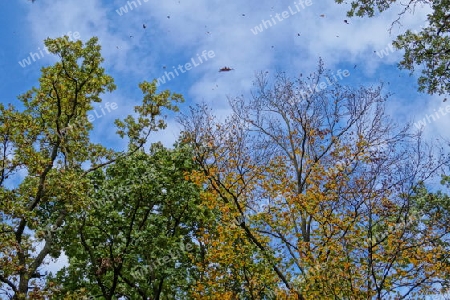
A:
(225, 69)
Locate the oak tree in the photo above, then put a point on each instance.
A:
(47, 158)
(137, 237)
(324, 188)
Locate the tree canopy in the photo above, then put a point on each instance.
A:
(45, 149)
(292, 196)
(327, 190)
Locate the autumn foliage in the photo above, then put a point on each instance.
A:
(292, 196)
(323, 190)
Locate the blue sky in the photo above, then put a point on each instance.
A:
(177, 31)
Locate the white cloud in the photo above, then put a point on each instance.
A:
(177, 30)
